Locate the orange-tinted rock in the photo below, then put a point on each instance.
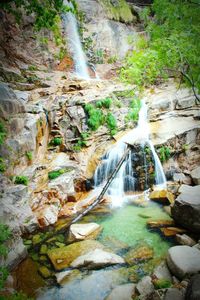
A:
(159, 223)
(65, 64)
(172, 231)
(162, 196)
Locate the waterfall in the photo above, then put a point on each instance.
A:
(124, 180)
(74, 42)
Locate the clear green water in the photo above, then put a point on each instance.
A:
(125, 225)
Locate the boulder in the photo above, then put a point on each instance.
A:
(184, 239)
(183, 261)
(97, 258)
(145, 286)
(17, 253)
(162, 272)
(195, 174)
(61, 258)
(47, 215)
(64, 183)
(175, 294)
(162, 196)
(79, 232)
(193, 288)
(186, 209)
(122, 292)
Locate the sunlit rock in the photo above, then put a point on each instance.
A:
(79, 232)
(97, 258)
(62, 257)
(162, 196)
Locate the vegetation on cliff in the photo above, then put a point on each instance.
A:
(172, 47)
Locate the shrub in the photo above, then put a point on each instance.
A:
(2, 133)
(21, 180)
(162, 284)
(2, 165)
(54, 174)
(164, 153)
(57, 141)
(111, 123)
(5, 234)
(29, 155)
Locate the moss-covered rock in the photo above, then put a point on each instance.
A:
(44, 272)
(62, 257)
(43, 249)
(140, 253)
(119, 11)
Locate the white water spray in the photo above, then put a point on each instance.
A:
(124, 179)
(73, 39)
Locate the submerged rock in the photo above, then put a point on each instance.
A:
(184, 239)
(186, 209)
(122, 292)
(79, 232)
(44, 272)
(61, 258)
(183, 261)
(97, 258)
(140, 253)
(65, 276)
(145, 286)
(162, 272)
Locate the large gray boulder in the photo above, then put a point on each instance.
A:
(186, 209)
(183, 261)
(78, 232)
(193, 288)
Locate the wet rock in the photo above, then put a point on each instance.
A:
(97, 258)
(79, 232)
(183, 261)
(186, 209)
(162, 196)
(162, 272)
(140, 253)
(145, 286)
(196, 175)
(44, 272)
(193, 288)
(122, 292)
(159, 223)
(17, 252)
(115, 244)
(62, 257)
(66, 276)
(175, 294)
(182, 178)
(184, 239)
(172, 231)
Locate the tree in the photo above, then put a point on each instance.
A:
(172, 47)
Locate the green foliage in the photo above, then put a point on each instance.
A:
(21, 180)
(5, 233)
(2, 165)
(133, 113)
(32, 68)
(162, 284)
(96, 117)
(112, 59)
(47, 13)
(106, 103)
(2, 133)
(120, 11)
(172, 48)
(3, 276)
(164, 153)
(82, 142)
(54, 174)
(111, 123)
(56, 141)
(29, 155)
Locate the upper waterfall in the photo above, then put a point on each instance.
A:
(74, 42)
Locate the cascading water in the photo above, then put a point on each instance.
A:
(73, 39)
(124, 180)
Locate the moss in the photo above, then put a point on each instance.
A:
(119, 12)
(44, 272)
(21, 180)
(43, 249)
(162, 283)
